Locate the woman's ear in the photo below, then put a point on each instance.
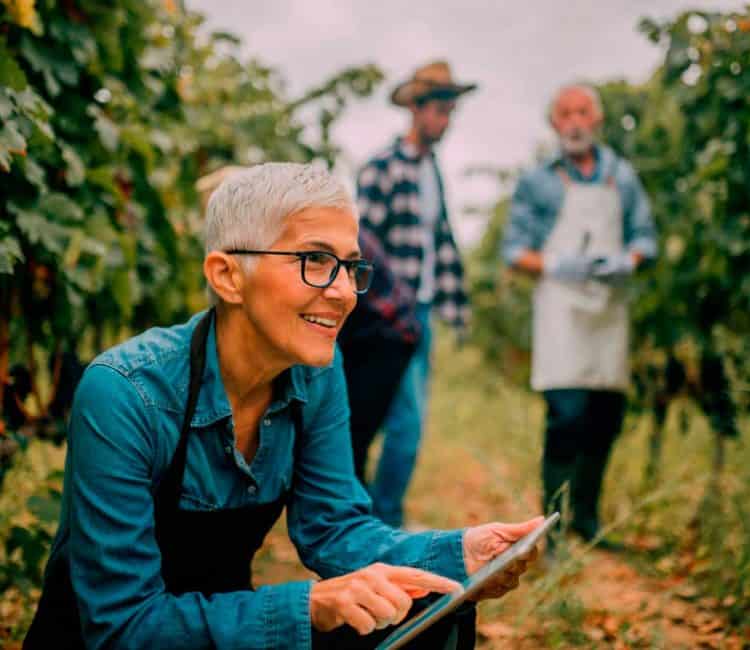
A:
(224, 276)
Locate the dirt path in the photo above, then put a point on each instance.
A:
(613, 606)
(618, 608)
(595, 600)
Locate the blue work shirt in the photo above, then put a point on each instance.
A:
(539, 195)
(124, 428)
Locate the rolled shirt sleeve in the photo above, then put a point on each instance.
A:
(538, 198)
(639, 231)
(115, 561)
(519, 233)
(329, 516)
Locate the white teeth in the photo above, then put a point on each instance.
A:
(325, 322)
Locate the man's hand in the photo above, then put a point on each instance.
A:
(483, 543)
(372, 598)
(615, 269)
(568, 268)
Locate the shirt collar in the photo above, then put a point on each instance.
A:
(213, 403)
(605, 160)
(409, 151)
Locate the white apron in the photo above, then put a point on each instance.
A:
(580, 330)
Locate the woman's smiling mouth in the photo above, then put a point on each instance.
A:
(320, 320)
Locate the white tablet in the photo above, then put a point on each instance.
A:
(471, 586)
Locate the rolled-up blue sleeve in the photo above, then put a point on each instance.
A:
(114, 557)
(519, 235)
(329, 516)
(639, 230)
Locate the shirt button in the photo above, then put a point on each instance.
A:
(251, 489)
(267, 422)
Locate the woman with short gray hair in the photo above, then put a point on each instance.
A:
(187, 442)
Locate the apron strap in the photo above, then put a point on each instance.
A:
(168, 492)
(609, 179)
(169, 488)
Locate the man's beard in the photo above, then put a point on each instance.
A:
(429, 140)
(576, 141)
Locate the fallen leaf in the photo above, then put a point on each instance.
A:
(645, 542)
(611, 625)
(687, 592)
(676, 611)
(711, 641)
(594, 633)
(496, 630)
(709, 602)
(711, 626)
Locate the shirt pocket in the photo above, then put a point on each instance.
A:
(190, 501)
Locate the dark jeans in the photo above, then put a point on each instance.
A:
(403, 430)
(456, 631)
(582, 426)
(373, 372)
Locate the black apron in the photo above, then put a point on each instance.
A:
(202, 551)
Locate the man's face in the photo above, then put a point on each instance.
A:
(575, 118)
(432, 119)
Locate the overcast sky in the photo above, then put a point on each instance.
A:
(517, 51)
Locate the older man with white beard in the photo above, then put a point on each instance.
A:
(581, 223)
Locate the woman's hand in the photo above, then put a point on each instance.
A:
(484, 543)
(372, 598)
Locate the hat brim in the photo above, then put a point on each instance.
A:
(405, 94)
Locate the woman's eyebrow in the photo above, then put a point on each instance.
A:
(323, 246)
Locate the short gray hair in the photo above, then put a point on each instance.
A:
(587, 89)
(251, 205)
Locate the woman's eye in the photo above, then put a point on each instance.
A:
(320, 259)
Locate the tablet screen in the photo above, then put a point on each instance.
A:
(472, 585)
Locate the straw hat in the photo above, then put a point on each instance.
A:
(433, 78)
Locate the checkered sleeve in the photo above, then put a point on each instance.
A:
(372, 198)
(392, 300)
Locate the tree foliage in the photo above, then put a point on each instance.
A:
(109, 112)
(686, 132)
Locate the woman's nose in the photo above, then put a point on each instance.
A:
(342, 286)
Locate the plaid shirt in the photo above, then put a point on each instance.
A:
(387, 309)
(388, 198)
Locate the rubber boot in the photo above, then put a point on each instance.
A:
(557, 477)
(586, 491)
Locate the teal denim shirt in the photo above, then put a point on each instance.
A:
(124, 428)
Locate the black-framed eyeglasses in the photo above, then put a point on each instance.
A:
(320, 268)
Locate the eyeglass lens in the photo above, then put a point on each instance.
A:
(319, 270)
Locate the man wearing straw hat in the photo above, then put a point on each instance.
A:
(401, 201)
